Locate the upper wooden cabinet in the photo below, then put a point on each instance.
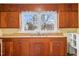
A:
(68, 19)
(9, 20)
(73, 19)
(68, 14)
(67, 7)
(71, 7)
(63, 19)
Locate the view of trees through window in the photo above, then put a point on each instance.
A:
(39, 21)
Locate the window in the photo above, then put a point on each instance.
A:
(42, 22)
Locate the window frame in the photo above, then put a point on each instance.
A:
(39, 31)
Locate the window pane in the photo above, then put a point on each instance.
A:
(29, 21)
(35, 21)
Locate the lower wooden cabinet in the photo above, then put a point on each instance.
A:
(7, 47)
(35, 46)
(40, 47)
(58, 47)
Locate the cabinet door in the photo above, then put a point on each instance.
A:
(34, 46)
(63, 19)
(68, 16)
(3, 20)
(58, 47)
(68, 19)
(21, 47)
(73, 19)
(39, 47)
(7, 47)
(15, 47)
(9, 20)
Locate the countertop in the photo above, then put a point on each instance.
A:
(12, 32)
(24, 35)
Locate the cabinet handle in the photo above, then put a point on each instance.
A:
(51, 48)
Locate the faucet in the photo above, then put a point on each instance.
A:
(38, 32)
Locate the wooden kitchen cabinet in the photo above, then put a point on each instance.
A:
(15, 47)
(63, 19)
(71, 7)
(35, 46)
(58, 46)
(7, 47)
(9, 20)
(73, 19)
(68, 14)
(68, 19)
(21, 47)
(39, 47)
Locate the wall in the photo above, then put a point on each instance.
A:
(61, 8)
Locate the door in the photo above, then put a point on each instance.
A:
(58, 47)
(39, 47)
(63, 19)
(21, 47)
(15, 47)
(68, 16)
(7, 47)
(9, 20)
(73, 19)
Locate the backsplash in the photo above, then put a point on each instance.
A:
(9, 31)
(13, 30)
